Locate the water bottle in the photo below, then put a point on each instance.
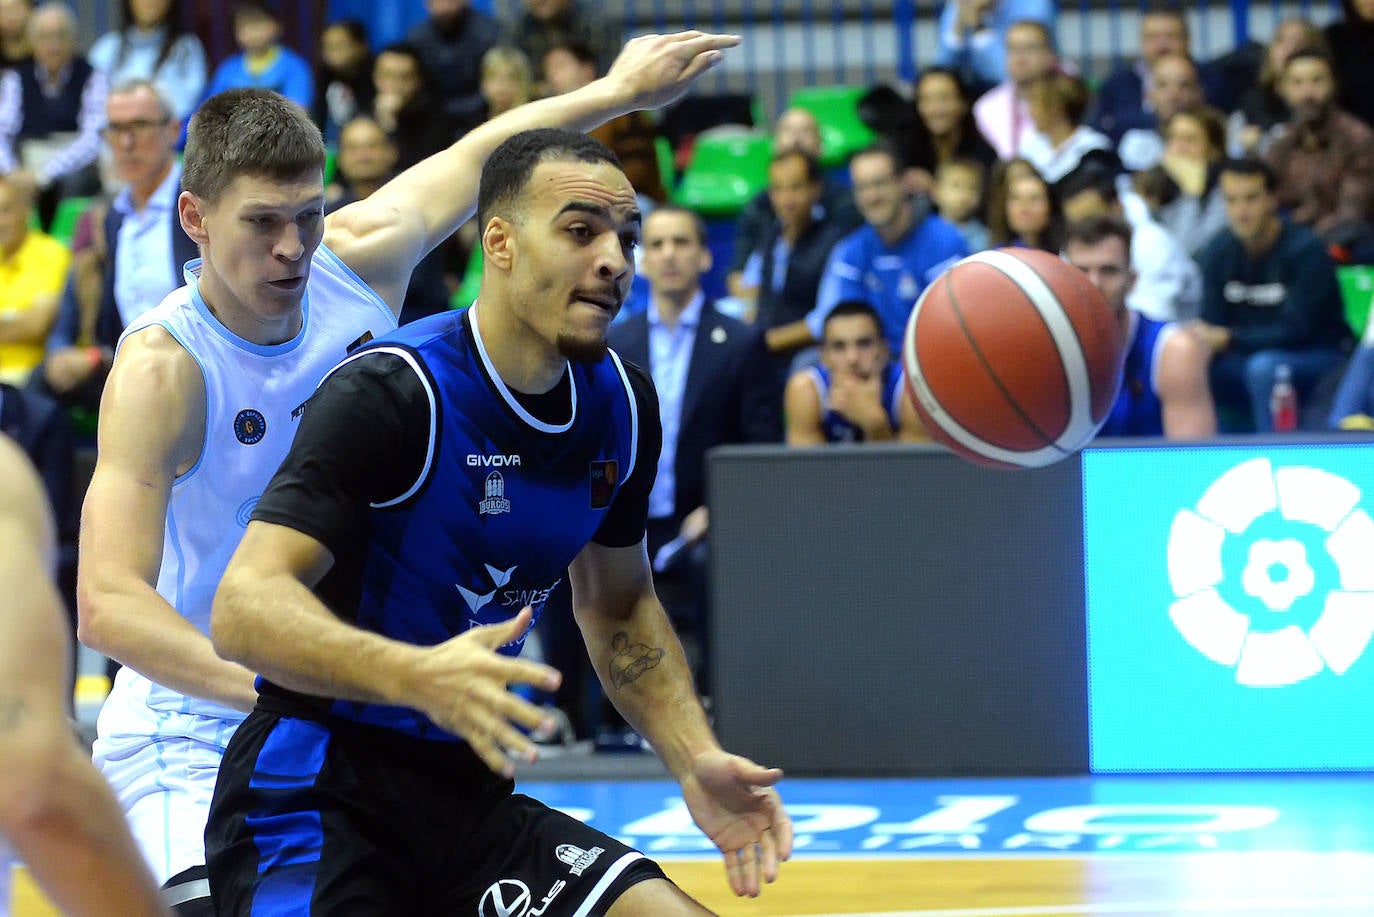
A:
(1283, 401)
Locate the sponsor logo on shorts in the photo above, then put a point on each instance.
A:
(511, 898)
(578, 859)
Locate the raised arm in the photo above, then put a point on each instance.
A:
(152, 420)
(54, 808)
(383, 237)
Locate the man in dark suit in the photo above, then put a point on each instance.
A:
(715, 386)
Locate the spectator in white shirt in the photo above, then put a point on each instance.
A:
(1002, 113)
(1060, 139)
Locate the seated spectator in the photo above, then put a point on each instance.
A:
(1175, 86)
(263, 62)
(855, 394)
(344, 88)
(1351, 40)
(972, 36)
(783, 274)
(1261, 111)
(141, 240)
(404, 105)
(1270, 298)
(154, 45)
(1060, 140)
(1325, 158)
(943, 129)
(1194, 147)
(1124, 100)
(1353, 406)
(14, 32)
(890, 260)
(546, 23)
(507, 81)
(1023, 210)
(451, 43)
(51, 110)
(1167, 285)
(958, 197)
(714, 388)
(38, 425)
(1002, 113)
(631, 136)
(33, 273)
(796, 129)
(367, 160)
(1164, 378)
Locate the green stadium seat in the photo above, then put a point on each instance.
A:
(68, 214)
(729, 166)
(466, 294)
(331, 164)
(843, 133)
(1357, 293)
(667, 172)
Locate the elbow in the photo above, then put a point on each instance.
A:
(31, 784)
(94, 613)
(227, 626)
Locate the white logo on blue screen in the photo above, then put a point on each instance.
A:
(1272, 573)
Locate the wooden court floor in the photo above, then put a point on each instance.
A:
(907, 886)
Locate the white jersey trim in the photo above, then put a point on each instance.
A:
(506, 395)
(634, 413)
(610, 875)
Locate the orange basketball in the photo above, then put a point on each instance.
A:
(1013, 358)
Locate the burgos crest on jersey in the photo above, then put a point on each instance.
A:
(250, 427)
(495, 501)
(577, 858)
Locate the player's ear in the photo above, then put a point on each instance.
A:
(191, 210)
(498, 243)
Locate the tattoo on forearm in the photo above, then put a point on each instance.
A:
(13, 711)
(631, 660)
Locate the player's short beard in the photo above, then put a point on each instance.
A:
(581, 350)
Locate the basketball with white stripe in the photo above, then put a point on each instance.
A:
(1012, 358)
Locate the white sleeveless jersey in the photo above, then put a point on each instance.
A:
(251, 395)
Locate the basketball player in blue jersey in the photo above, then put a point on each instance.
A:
(856, 393)
(54, 808)
(1164, 390)
(442, 482)
(200, 408)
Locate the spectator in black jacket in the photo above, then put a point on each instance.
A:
(344, 87)
(451, 43)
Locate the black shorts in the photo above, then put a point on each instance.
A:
(310, 819)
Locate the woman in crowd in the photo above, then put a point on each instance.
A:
(344, 88)
(1194, 146)
(943, 129)
(1024, 211)
(153, 45)
(1061, 141)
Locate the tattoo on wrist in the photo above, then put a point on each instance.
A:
(631, 660)
(13, 711)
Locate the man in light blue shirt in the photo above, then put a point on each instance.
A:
(890, 260)
(972, 39)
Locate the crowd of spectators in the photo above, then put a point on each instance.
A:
(1211, 201)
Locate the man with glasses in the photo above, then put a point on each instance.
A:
(144, 243)
(51, 110)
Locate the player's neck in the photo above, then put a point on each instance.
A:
(232, 314)
(525, 361)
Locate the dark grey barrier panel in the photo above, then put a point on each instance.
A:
(895, 610)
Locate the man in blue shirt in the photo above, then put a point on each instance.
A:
(890, 260)
(973, 36)
(264, 62)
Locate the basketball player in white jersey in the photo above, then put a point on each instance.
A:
(54, 808)
(200, 408)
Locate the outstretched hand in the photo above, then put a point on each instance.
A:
(733, 801)
(656, 70)
(466, 691)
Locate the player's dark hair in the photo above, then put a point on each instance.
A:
(848, 307)
(698, 224)
(1249, 166)
(1097, 229)
(813, 166)
(508, 169)
(248, 132)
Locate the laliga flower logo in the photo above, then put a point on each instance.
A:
(1268, 558)
(1277, 573)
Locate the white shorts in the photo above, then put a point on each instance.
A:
(162, 766)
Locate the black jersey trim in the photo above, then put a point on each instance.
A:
(432, 446)
(505, 393)
(634, 412)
